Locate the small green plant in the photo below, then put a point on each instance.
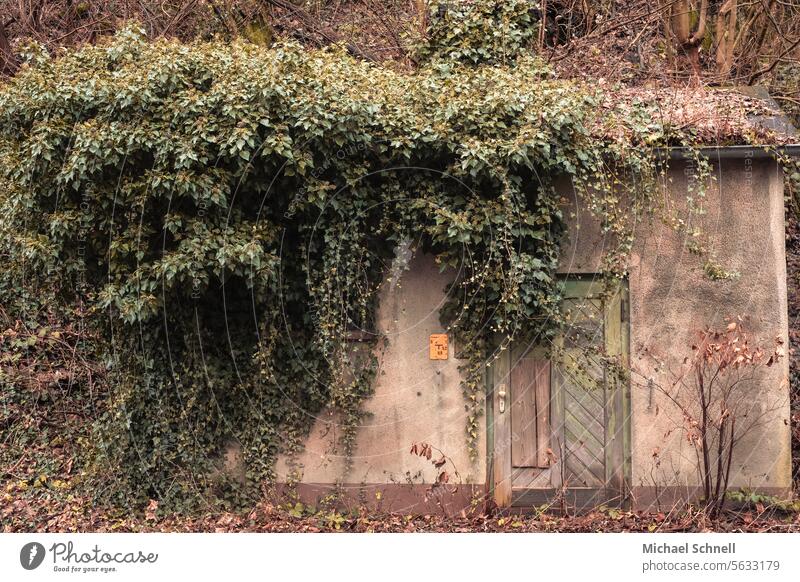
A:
(717, 272)
(760, 502)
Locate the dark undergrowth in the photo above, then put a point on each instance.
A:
(793, 287)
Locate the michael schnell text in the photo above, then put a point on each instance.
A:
(687, 548)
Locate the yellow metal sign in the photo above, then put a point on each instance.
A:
(438, 346)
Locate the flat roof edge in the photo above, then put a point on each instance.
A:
(735, 152)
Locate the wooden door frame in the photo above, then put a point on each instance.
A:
(499, 466)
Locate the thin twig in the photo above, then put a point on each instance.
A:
(755, 76)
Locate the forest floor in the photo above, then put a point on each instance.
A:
(43, 512)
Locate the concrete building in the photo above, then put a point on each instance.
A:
(582, 435)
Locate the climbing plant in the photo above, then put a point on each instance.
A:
(224, 216)
(479, 32)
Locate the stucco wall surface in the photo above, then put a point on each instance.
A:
(671, 297)
(416, 399)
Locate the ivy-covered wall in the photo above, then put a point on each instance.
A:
(220, 218)
(671, 297)
(416, 399)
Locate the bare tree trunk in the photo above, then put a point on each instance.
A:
(704, 433)
(728, 462)
(720, 456)
(421, 7)
(669, 42)
(688, 42)
(543, 25)
(726, 37)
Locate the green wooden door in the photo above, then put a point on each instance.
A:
(559, 412)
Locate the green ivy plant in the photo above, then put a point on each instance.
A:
(479, 32)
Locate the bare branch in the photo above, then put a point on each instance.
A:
(326, 33)
(758, 74)
(8, 62)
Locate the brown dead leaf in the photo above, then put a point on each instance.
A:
(150, 512)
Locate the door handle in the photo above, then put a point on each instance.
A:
(501, 398)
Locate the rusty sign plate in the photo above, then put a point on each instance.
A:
(438, 346)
